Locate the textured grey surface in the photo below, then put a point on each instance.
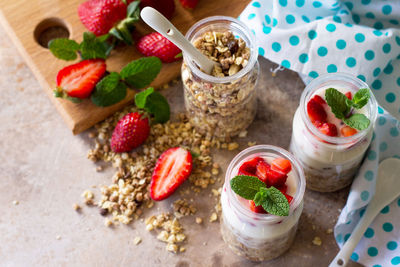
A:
(44, 167)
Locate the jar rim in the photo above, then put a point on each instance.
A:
(239, 26)
(296, 166)
(313, 86)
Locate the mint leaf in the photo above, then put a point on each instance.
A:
(64, 48)
(141, 98)
(361, 98)
(91, 47)
(357, 121)
(157, 105)
(261, 196)
(246, 186)
(276, 202)
(337, 101)
(140, 73)
(110, 90)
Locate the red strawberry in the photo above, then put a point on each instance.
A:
(154, 44)
(191, 4)
(131, 131)
(261, 172)
(249, 167)
(319, 99)
(328, 129)
(256, 209)
(276, 178)
(99, 16)
(165, 7)
(173, 167)
(348, 95)
(282, 165)
(78, 80)
(348, 131)
(315, 111)
(289, 198)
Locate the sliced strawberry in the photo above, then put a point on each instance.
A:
(130, 132)
(315, 111)
(348, 131)
(78, 80)
(154, 44)
(328, 129)
(249, 167)
(348, 95)
(165, 7)
(282, 188)
(275, 178)
(288, 197)
(262, 170)
(256, 209)
(191, 4)
(282, 165)
(319, 99)
(173, 167)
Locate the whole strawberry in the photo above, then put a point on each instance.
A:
(154, 44)
(99, 16)
(190, 4)
(131, 131)
(165, 7)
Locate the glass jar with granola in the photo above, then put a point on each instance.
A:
(259, 232)
(332, 129)
(224, 103)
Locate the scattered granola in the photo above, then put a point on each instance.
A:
(137, 240)
(199, 220)
(76, 207)
(329, 231)
(317, 241)
(213, 217)
(172, 230)
(183, 208)
(108, 222)
(88, 196)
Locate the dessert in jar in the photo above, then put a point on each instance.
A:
(262, 232)
(332, 129)
(223, 103)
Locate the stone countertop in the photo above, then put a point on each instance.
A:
(44, 167)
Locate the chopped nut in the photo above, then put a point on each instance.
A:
(182, 249)
(137, 240)
(99, 168)
(199, 220)
(76, 207)
(317, 241)
(329, 231)
(108, 222)
(172, 247)
(16, 202)
(251, 143)
(213, 217)
(233, 146)
(243, 134)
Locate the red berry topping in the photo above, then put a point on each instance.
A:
(249, 167)
(78, 80)
(319, 99)
(154, 44)
(275, 178)
(348, 95)
(348, 131)
(256, 209)
(328, 129)
(289, 198)
(131, 131)
(282, 165)
(173, 167)
(283, 188)
(316, 111)
(261, 172)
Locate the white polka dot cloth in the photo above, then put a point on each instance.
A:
(360, 37)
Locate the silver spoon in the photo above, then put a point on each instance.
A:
(162, 25)
(387, 190)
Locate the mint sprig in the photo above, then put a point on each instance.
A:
(109, 90)
(343, 107)
(141, 72)
(271, 199)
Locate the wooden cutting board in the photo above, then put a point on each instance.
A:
(28, 23)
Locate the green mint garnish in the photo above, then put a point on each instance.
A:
(91, 47)
(64, 48)
(341, 106)
(154, 103)
(271, 199)
(109, 90)
(140, 73)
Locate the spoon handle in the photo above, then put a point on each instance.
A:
(162, 25)
(342, 258)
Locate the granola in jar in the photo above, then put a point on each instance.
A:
(225, 102)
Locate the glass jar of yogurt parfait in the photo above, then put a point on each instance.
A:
(258, 235)
(223, 103)
(331, 161)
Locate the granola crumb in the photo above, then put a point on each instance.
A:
(88, 196)
(251, 143)
(108, 222)
(329, 231)
(137, 240)
(182, 249)
(58, 237)
(183, 208)
(213, 217)
(243, 134)
(204, 243)
(99, 168)
(76, 207)
(233, 146)
(317, 241)
(16, 202)
(199, 220)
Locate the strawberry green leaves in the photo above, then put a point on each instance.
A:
(109, 90)
(141, 72)
(271, 199)
(154, 103)
(343, 107)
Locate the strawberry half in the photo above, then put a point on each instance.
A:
(256, 209)
(78, 80)
(249, 167)
(261, 172)
(282, 165)
(99, 16)
(190, 4)
(347, 131)
(131, 131)
(173, 167)
(165, 7)
(154, 44)
(316, 111)
(328, 129)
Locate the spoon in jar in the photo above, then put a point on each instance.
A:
(162, 25)
(387, 190)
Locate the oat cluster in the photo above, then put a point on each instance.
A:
(183, 208)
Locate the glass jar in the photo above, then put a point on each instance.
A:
(259, 236)
(330, 163)
(221, 106)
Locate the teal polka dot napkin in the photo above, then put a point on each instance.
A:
(360, 37)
